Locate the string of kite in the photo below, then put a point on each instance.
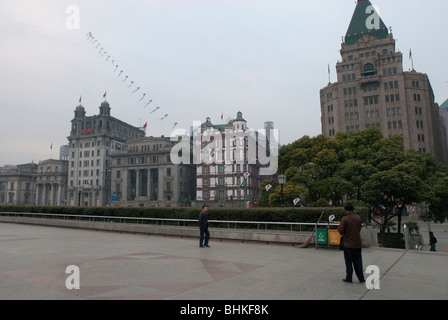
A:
(142, 96)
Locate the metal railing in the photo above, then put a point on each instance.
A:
(259, 225)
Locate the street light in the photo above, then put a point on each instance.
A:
(282, 181)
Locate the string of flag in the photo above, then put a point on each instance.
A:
(142, 96)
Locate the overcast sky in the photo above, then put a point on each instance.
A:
(193, 58)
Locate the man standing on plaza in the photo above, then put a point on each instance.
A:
(203, 227)
(350, 229)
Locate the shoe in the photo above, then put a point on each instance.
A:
(345, 280)
(207, 246)
(201, 246)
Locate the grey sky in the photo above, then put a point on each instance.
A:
(193, 58)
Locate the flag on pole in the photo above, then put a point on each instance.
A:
(51, 146)
(104, 95)
(80, 98)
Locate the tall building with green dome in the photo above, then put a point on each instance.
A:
(373, 90)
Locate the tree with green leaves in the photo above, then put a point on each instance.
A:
(362, 167)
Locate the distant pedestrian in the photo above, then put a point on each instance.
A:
(204, 234)
(350, 228)
(432, 241)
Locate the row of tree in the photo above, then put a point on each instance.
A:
(363, 168)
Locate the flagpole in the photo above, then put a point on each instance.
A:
(412, 59)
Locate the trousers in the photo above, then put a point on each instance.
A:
(353, 260)
(203, 233)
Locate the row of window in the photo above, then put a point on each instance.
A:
(87, 153)
(372, 100)
(390, 124)
(86, 173)
(221, 168)
(145, 148)
(222, 181)
(368, 115)
(87, 163)
(386, 72)
(368, 54)
(371, 87)
(90, 144)
(395, 124)
(85, 182)
(220, 194)
(393, 111)
(356, 127)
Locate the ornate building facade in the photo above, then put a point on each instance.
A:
(373, 90)
(91, 141)
(229, 169)
(143, 175)
(17, 185)
(51, 183)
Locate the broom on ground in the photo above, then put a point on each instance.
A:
(307, 243)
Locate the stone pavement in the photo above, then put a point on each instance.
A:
(118, 266)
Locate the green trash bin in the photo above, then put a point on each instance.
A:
(322, 236)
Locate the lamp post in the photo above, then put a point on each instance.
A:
(282, 181)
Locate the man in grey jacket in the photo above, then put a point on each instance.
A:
(203, 227)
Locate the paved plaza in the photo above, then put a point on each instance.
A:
(117, 266)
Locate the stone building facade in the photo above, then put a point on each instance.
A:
(17, 185)
(228, 173)
(444, 115)
(51, 183)
(142, 175)
(91, 141)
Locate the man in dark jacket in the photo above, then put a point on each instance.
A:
(432, 241)
(350, 229)
(203, 227)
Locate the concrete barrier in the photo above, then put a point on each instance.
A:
(244, 235)
(249, 235)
